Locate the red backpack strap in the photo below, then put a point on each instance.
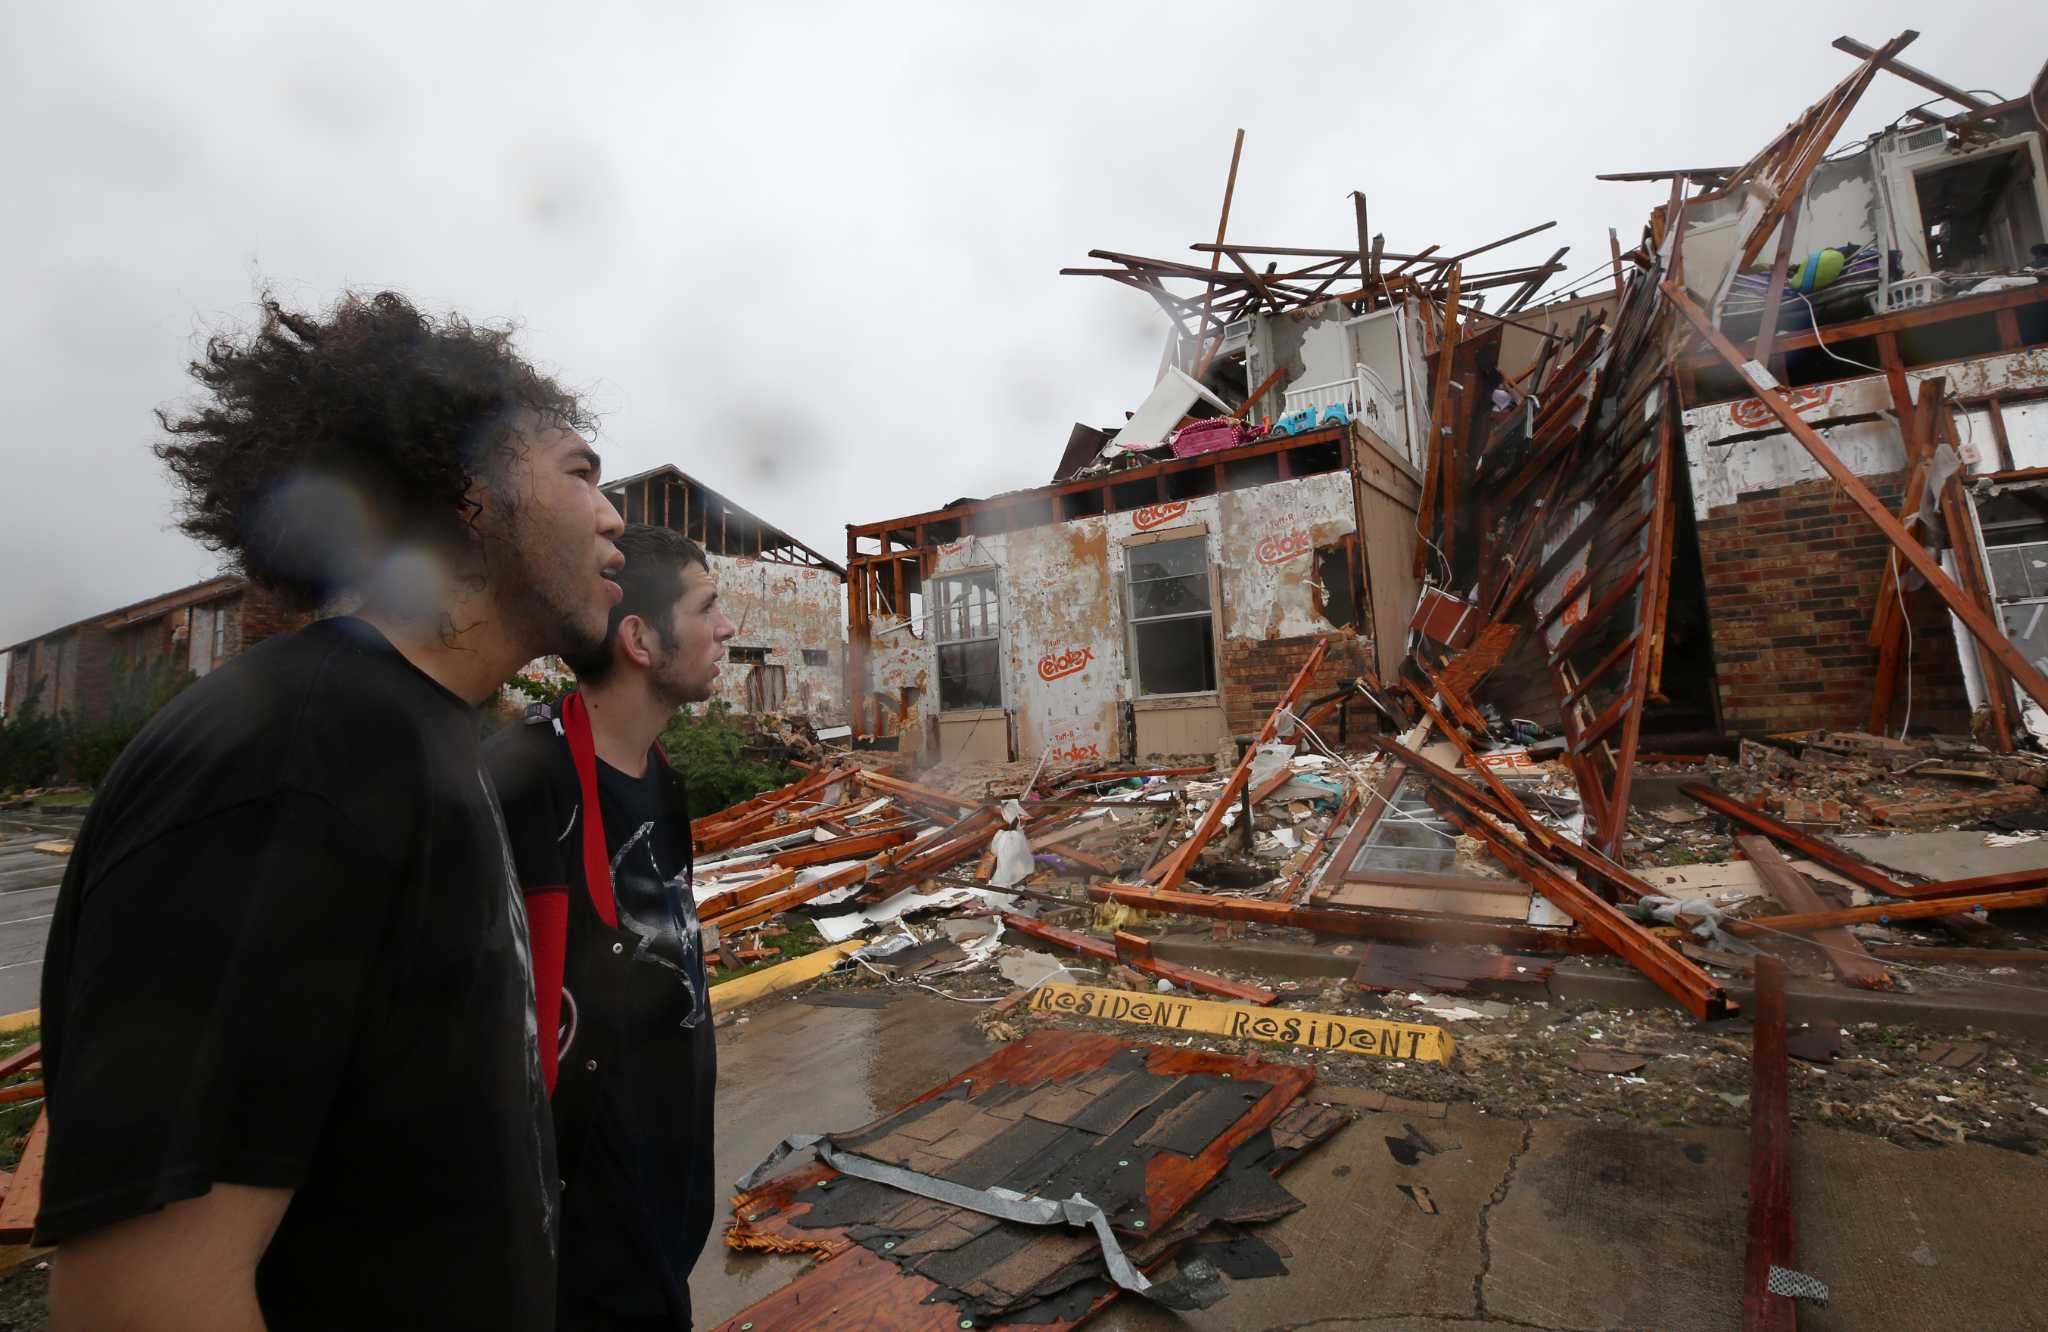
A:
(597, 867)
(547, 925)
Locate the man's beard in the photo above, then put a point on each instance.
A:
(541, 599)
(670, 683)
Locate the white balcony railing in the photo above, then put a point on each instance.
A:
(1364, 397)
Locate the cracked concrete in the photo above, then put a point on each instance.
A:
(1621, 1227)
(1500, 1193)
(1363, 1247)
(1545, 1226)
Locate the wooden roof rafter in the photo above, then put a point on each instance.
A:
(710, 501)
(1970, 102)
(1778, 173)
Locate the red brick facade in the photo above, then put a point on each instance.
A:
(1256, 673)
(1792, 575)
(82, 669)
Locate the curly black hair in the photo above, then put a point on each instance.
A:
(384, 415)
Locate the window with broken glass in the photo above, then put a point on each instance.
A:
(967, 625)
(1173, 634)
(2017, 547)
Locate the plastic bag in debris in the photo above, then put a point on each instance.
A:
(1270, 761)
(1940, 468)
(886, 945)
(1014, 862)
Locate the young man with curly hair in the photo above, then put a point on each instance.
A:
(601, 835)
(288, 1027)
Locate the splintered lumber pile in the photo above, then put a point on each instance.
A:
(873, 832)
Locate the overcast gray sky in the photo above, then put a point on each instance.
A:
(808, 254)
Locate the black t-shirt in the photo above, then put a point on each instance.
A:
(651, 881)
(290, 952)
(633, 1104)
(664, 1076)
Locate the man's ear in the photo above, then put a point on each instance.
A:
(635, 642)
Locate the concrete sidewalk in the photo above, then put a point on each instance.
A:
(1551, 1224)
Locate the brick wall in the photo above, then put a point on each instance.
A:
(1256, 673)
(259, 615)
(1792, 576)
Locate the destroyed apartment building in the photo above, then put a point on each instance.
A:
(1680, 639)
(1154, 597)
(785, 600)
(1158, 595)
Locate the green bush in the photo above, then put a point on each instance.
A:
(40, 751)
(30, 747)
(140, 689)
(706, 751)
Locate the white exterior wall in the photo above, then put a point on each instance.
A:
(1061, 593)
(1763, 456)
(786, 608)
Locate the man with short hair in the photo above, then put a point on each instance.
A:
(288, 1025)
(601, 833)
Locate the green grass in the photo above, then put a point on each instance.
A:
(795, 942)
(65, 800)
(17, 1118)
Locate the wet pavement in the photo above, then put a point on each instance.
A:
(794, 1067)
(28, 895)
(1544, 1224)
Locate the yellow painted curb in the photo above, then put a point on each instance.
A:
(22, 1021)
(782, 976)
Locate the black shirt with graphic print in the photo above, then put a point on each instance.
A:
(290, 952)
(633, 1102)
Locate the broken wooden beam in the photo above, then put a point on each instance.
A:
(768, 884)
(1888, 624)
(26, 1057)
(843, 848)
(1355, 924)
(716, 832)
(1852, 962)
(1168, 873)
(1096, 778)
(1292, 885)
(1821, 853)
(1135, 952)
(1886, 912)
(1589, 862)
(1673, 972)
(25, 1190)
(909, 790)
(1770, 1159)
(1940, 87)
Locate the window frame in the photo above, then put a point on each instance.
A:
(937, 607)
(1206, 571)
